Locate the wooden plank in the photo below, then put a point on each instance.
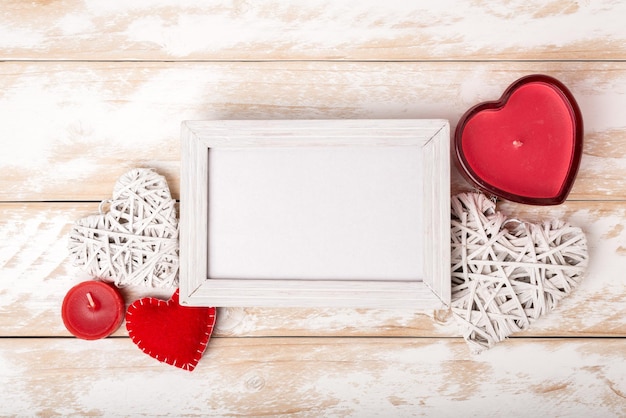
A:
(319, 30)
(71, 129)
(35, 274)
(317, 377)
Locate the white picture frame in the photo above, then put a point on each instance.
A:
(428, 139)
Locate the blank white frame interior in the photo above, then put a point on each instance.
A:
(315, 213)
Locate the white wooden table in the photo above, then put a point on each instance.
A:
(90, 89)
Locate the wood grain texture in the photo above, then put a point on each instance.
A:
(304, 377)
(85, 124)
(317, 30)
(35, 273)
(90, 89)
(425, 289)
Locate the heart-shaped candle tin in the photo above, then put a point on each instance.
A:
(525, 147)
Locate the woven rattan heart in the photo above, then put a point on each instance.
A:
(507, 273)
(136, 241)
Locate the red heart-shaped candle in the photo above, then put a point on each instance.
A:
(525, 147)
(169, 332)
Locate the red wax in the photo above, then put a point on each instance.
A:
(525, 147)
(93, 310)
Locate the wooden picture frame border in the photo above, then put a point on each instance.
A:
(197, 289)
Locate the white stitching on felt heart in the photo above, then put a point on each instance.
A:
(507, 273)
(175, 335)
(136, 241)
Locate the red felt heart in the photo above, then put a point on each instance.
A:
(525, 147)
(169, 332)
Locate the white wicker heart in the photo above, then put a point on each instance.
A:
(507, 273)
(136, 240)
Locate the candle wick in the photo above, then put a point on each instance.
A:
(517, 143)
(92, 304)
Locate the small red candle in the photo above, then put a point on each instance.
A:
(93, 310)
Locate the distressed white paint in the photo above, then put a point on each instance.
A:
(69, 129)
(347, 283)
(97, 120)
(29, 275)
(314, 377)
(320, 29)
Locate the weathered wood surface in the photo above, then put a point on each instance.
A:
(35, 271)
(320, 30)
(70, 129)
(312, 377)
(89, 89)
